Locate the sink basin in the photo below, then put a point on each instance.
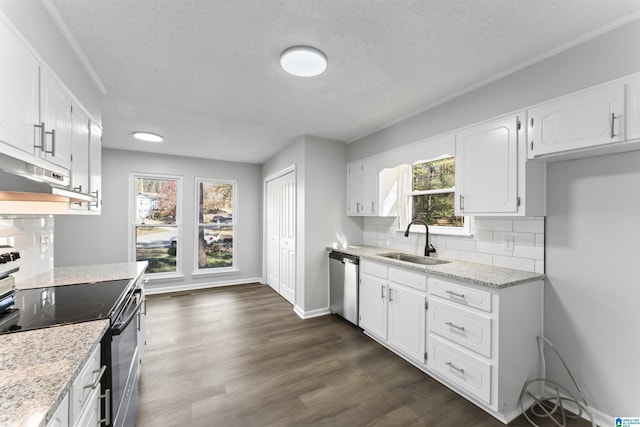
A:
(416, 259)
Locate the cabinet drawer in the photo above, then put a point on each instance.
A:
(461, 294)
(373, 268)
(465, 371)
(461, 326)
(81, 388)
(408, 278)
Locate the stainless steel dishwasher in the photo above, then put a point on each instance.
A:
(343, 285)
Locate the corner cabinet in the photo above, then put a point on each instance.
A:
(478, 341)
(493, 177)
(597, 120)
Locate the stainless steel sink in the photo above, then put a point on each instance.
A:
(416, 259)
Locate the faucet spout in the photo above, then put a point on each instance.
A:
(428, 248)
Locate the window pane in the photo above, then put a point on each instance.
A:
(156, 201)
(437, 209)
(434, 175)
(215, 246)
(158, 246)
(216, 203)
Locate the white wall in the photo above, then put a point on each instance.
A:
(588, 314)
(32, 236)
(321, 213)
(82, 240)
(592, 297)
(35, 24)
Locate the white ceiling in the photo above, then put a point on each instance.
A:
(205, 73)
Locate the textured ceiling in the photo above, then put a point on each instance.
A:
(205, 73)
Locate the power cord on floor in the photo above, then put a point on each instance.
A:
(552, 405)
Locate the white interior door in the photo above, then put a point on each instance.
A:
(281, 235)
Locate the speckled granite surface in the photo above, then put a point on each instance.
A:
(84, 274)
(477, 274)
(37, 368)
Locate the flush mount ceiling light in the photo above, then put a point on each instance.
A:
(148, 137)
(303, 61)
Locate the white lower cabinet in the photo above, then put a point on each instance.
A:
(84, 396)
(60, 417)
(476, 340)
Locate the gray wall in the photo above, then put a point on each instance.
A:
(592, 293)
(321, 213)
(33, 21)
(592, 297)
(82, 240)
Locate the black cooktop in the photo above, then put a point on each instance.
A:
(58, 305)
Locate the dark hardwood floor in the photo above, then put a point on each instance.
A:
(239, 356)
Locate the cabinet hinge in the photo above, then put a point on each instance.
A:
(71, 109)
(71, 157)
(425, 356)
(519, 124)
(531, 122)
(518, 201)
(426, 305)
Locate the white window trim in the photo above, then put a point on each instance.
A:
(404, 206)
(133, 176)
(220, 270)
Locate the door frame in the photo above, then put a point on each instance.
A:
(267, 179)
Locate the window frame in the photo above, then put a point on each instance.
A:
(133, 221)
(405, 203)
(197, 271)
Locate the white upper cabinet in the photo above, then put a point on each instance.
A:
(55, 113)
(493, 177)
(371, 192)
(95, 166)
(19, 91)
(597, 120)
(80, 152)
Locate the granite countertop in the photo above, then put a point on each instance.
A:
(84, 274)
(469, 272)
(38, 367)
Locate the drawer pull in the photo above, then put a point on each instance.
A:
(453, 325)
(100, 373)
(455, 294)
(454, 367)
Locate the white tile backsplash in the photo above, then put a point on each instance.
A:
(484, 246)
(32, 236)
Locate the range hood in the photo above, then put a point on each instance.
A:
(21, 181)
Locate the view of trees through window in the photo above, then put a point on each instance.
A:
(156, 226)
(432, 195)
(215, 224)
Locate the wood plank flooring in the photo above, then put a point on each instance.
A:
(239, 356)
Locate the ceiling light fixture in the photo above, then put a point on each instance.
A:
(303, 61)
(148, 137)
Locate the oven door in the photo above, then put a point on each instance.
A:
(125, 362)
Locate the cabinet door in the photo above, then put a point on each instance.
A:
(354, 188)
(407, 321)
(369, 187)
(373, 306)
(586, 120)
(487, 168)
(55, 108)
(19, 91)
(60, 418)
(95, 166)
(80, 154)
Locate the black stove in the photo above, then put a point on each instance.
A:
(58, 305)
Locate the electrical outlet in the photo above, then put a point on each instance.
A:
(507, 242)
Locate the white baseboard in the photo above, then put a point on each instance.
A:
(157, 288)
(311, 313)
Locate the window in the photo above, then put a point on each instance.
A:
(156, 223)
(431, 196)
(216, 225)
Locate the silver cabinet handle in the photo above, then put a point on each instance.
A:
(42, 136)
(613, 118)
(455, 294)
(454, 326)
(373, 206)
(52, 132)
(357, 206)
(107, 407)
(452, 366)
(461, 202)
(382, 292)
(97, 198)
(390, 295)
(100, 373)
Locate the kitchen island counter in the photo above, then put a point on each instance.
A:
(467, 272)
(38, 367)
